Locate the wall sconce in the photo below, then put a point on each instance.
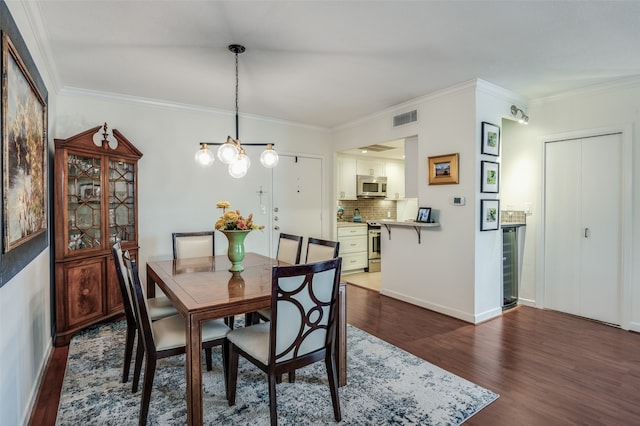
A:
(522, 118)
(232, 152)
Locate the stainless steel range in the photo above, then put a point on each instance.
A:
(373, 246)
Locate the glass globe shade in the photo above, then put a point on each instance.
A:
(204, 156)
(239, 167)
(227, 152)
(269, 158)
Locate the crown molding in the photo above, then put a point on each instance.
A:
(619, 83)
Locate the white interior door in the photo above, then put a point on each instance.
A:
(582, 227)
(297, 198)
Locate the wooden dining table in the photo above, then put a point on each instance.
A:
(202, 289)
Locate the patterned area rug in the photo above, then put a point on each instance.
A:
(385, 385)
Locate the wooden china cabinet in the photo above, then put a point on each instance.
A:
(95, 205)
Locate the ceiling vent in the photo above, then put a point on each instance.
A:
(405, 118)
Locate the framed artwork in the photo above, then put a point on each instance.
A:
(443, 169)
(489, 215)
(490, 177)
(24, 149)
(424, 214)
(490, 139)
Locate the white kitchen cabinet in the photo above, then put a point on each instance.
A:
(346, 178)
(395, 179)
(370, 167)
(353, 247)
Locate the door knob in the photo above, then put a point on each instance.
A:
(275, 209)
(276, 227)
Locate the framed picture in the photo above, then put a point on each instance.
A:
(443, 169)
(490, 139)
(24, 149)
(490, 177)
(489, 215)
(424, 214)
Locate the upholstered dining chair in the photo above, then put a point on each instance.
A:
(193, 244)
(318, 250)
(158, 307)
(302, 329)
(164, 338)
(289, 251)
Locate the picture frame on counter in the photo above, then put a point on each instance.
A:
(490, 139)
(424, 215)
(490, 177)
(489, 215)
(443, 169)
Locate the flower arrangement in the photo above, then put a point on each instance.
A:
(232, 220)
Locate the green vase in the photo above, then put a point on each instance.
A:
(235, 252)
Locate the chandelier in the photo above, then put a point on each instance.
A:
(232, 151)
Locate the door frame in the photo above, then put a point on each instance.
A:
(626, 182)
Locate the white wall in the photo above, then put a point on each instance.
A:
(175, 194)
(615, 106)
(25, 312)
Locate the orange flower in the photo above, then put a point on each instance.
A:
(232, 220)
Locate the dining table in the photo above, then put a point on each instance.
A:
(202, 289)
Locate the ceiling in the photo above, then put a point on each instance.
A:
(326, 63)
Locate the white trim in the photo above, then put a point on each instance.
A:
(591, 89)
(33, 396)
(626, 219)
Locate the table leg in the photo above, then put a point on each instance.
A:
(194, 371)
(151, 284)
(341, 335)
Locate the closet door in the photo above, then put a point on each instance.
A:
(582, 227)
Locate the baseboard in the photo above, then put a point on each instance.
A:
(527, 302)
(634, 326)
(35, 389)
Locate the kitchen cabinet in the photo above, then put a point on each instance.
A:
(395, 179)
(370, 167)
(95, 205)
(346, 178)
(353, 246)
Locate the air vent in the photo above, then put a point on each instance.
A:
(405, 118)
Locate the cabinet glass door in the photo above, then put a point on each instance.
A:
(83, 202)
(122, 206)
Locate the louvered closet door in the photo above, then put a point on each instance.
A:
(582, 227)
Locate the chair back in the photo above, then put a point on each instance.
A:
(289, 248)
(145, 331)
(319, 250)
(303, 315)
(123, 281)
(193, 244)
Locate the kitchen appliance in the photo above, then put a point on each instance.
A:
(371, 186)
(373, 247)
(512, 249)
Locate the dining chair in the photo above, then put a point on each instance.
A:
(166, 337)
(289, 251)
(302, 329)
(193, 244)
(159, 307)
(318, 250)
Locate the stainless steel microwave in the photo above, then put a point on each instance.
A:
(371, 186)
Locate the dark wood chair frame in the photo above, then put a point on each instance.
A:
(275, 368)
(147, 345)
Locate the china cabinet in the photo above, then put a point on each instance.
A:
(95, 205)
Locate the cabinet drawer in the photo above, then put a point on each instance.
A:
(354, 261)
(353, 244)
(350, 231)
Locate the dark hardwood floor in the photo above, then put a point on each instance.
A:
(549, 368)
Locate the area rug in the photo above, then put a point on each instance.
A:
(386, 385)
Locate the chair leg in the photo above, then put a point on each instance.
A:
(273, 412)
(128, 351)
(233, 374)
(225, 365)
(330, 362)
(138, 366)
(207, 357)
(230, 321)
(249, 318)
(149, 373)
(292, 376)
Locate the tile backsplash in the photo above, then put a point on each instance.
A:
(370, 209)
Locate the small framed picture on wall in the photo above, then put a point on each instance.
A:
(490, 139)
(490, 177)
(489, 215)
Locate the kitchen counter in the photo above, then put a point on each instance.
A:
(345, 223)
(418, 226)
